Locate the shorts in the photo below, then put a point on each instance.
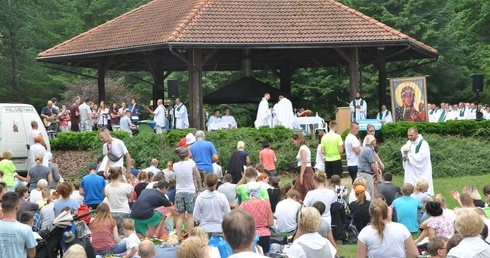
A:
(141, 225)
(185, 201)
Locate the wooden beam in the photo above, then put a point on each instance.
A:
(354, 76)
(381, 66)
(102, 66)
(195, 105)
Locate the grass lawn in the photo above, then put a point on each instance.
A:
(441, 185)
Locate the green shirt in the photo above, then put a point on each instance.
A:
(331, 143)
(8, 169)
(241, 191)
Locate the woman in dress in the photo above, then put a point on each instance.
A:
(304, 183)
(104, 118)
(119, 194)
(383, 238)
(235, 167)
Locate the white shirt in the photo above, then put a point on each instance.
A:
(218, 170)
(393, 244)
(229, 120)
(117, 148)
(327, 196)
(132, 241)
(181, 118)
(152, 169)
(35, 149)
(351, 141)
(246, 255)
(320, 158)
(184, 171)
(118, 197)
(286, 215)
(84, 110)
(77, 196)
(31, 136)
(308, 155)
(470, 247)
(213, 119)
(160, 114)
(311, 240)
(104, 116)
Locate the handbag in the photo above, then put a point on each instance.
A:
(112, 157)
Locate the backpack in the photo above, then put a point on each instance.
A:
(223, 247)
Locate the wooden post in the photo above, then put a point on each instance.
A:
(381, 83)
(102, 67)
(195, 105)
(156, 69)
(354, 77)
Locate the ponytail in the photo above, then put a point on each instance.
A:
(379, 213)
(39, 158)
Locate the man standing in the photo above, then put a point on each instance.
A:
(181, 120)
(367, 168)
(358, 108)
(115, 150)
(49, 115)
(284, 112)
(75, 115)
(264, 115)
(16, 239)
(204, 154)
(85, 116)
(160, 114)
(92, 187)
(33, 133)
(332, 147)
(135, 111)
(239, 232)
(229, 119)
(352, 150)
(384, 115)
(416, 159)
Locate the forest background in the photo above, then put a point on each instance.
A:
(458, 29)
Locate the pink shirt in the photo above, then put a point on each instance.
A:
(442, 225)
(102, 238)
(260, 212)
(267, 157)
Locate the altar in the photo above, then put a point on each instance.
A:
(309, 124)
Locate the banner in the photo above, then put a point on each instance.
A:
(409, 99)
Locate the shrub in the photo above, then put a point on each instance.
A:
(450, 155)
(461, 128)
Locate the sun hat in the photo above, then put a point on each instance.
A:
(190, 139)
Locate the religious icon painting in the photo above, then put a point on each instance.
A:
(409, 99)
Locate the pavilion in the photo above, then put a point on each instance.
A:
(217, 35)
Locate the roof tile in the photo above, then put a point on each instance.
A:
(231, 21)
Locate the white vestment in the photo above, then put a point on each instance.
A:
(385, 116)
(230, 120)
(472, 114)
(212, 120)
(284, 113)
(358, 113)
(463, 113)
(433, 115)
(417, 163)
(264, 115)
(181, 118)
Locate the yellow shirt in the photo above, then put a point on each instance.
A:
(330, 143)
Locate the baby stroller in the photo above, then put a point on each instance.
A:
(67, 231)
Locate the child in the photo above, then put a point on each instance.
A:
(420, 193)
(47, 212)
(36, 194)
(132, 240)
(105, 238)
(274, 192)
(27, 218)
(76, 193)
(340, 190)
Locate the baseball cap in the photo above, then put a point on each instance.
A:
(359, 189)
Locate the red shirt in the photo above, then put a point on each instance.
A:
(102, 238)
(260, 212)
(267, 157)
(74, 119)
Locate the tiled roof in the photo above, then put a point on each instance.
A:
(231, 22)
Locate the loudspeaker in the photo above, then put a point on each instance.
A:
(173, 88)
(478, 83)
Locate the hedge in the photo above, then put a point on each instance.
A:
(146, 145)
(468, 128)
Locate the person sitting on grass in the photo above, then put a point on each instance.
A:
(132, 240)
(407, 208)
(352, 194)
(250, 178)
(339, 189)
(420, 192)
(325, 229)
(105, 238)
(469, 224)
(199, 232)
(437, 247)
(27, 217)
(36, 194)
(437, 224)
(287, 212)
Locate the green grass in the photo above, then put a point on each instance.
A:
(441, 185)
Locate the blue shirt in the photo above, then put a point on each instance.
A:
(125, 123)
(366, 157)
(93, 186)
(407, 209)
(202, 153)
(60, 204)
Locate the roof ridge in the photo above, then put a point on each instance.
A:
(182, 25)
(380, 24)
(95, 28)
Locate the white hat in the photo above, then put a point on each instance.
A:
(190, 139)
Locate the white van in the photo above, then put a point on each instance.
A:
(15, 124)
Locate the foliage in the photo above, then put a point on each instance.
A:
(468, 128)
(451, 155)
(147, 145)
(116, 91)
